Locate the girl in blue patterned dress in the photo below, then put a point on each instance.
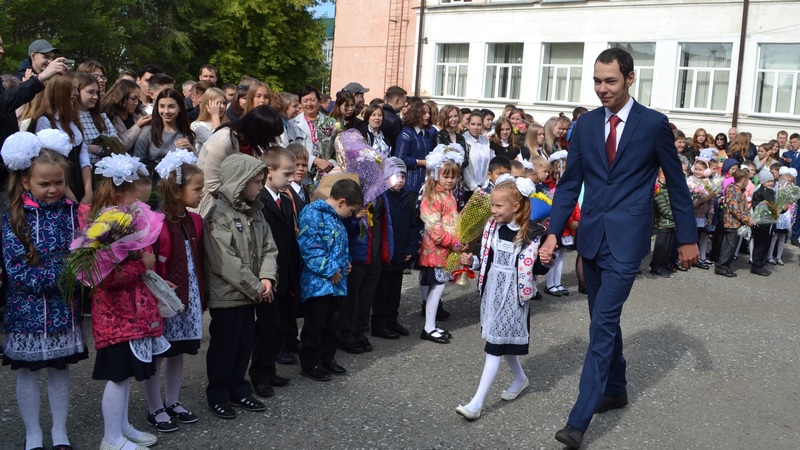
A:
(43, 329)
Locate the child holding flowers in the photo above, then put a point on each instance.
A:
(179, 252)
(438, 213)
(506, 282)
(42, 327)
(112, 256)
(558, 163)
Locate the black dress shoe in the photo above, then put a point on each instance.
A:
(607, 403)
(223, 410)
(760, 271)
(366, 346)
(570, 436)
(168, 426)
(434, 336)
(384, 333)
(397, 328)
(664, 273)
(725, 272)
(249, 404)
(318, 373)
(351, 347)
(263, 390)
(699, 265)
(335, 368)
(277, 381)
(285, 357)
(294, 347)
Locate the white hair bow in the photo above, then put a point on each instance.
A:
(173, 162)
(121, 168)
(22, 147)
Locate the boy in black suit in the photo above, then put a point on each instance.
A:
(298, 190)
(279, 212)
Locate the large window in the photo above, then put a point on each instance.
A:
(778, 79)
(503, 71)
(644, 57)
(451, 70)
(562, 69)
(704, 72)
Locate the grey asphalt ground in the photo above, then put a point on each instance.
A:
(712, 363)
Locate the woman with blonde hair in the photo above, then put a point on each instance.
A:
(213, 108)
(534, 139)
(552, 136)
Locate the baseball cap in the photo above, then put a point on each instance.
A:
(355, 88)
(41, 46)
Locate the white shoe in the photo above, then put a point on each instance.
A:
(106, 446)
(512, 395)
(467, 414)
(146, 439)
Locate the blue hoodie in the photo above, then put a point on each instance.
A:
(323, 246)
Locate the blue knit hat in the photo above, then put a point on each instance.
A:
(730, 162)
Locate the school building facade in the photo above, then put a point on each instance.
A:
(697, 61)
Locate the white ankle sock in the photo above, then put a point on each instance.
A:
(58, 390)
(516, 370)
(28, 399)
(490, 369)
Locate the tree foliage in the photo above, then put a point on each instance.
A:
(273, 40)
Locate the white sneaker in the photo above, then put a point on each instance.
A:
(145, 439)
(512, 395)
(106, 446)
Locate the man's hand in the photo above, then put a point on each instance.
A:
(323, 164)
(546, 250)
(688, 254)
(56, 67)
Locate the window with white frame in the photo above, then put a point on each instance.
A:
(778, 79)
(503, 71)
(704, 72)
(445, 2)
(451, 70)
(562, 69)
(644, 57)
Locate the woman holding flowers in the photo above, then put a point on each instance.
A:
(112, 256)
(42, 325)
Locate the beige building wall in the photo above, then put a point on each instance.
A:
(374, 44)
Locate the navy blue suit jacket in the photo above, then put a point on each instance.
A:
(618, 201)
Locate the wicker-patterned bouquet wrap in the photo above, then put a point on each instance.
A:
(470, 223)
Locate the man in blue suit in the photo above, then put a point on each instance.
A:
(616, 152)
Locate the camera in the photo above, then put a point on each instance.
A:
(69, 63)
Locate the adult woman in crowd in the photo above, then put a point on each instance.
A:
(552, 134)
(721, 144)
(699, 140)
(504, 142)
(96, 70)
(479, 154)
(344, 110)
(448, 120)
(253, 134)
(94, 122)
(371, 130)
(258, 93)
(313, 128)
(413, 145)
(213, 108)
(739, 147)
(534, 140)
(291, 108)
(57, 110)
(168, 131)
(121, 105)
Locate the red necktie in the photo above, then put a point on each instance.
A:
(611, 140)
(278, 202)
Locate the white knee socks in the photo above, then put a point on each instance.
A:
(781, 243)
(432, 305)
(58, 392)
(516, 370)
(173, 376)
(490, 369)
(28, 399)
(114, 403)
(553, 277)
(703, 246)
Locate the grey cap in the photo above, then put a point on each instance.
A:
(355, 88)
(399, 162)
(764, 176)
(41, 46)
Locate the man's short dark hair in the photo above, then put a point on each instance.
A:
(487, 112)
(227, 86)
(161, 79)
(794, 136)
(783, 132)
(207, 67)
(578, 111)
(149, 68)
(348, 190)
(499, 162)
(394, 92)
(466, 111)
(202, 86)
(623, 58)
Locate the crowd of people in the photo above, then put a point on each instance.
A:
(247, 227)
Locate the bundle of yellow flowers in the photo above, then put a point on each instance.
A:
(469, 226)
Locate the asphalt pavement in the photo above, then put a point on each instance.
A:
(712, 363)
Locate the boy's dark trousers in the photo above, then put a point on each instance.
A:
(362, 284)
(229, 349)
(290, 308)
(387, 299)
(762, 235)
(662, 249)
(320, 334)
(729, 243)
(267, 341)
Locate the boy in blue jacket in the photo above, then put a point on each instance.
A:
(323, 281)
(401, 243)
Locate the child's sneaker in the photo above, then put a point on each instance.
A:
(771, 261)
(779, 261)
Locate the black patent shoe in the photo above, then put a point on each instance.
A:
(434, 336)
(223, 410)
(397, 328)
(334, 368)
(317, 373)
(182, 417)
(249, 404)
(167, 426)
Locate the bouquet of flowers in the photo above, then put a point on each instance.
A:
(324, 128)
(786, 194)
(109, 239)
(765, 213)
(541, 205)
(469, 227)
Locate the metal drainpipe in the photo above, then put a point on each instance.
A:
(742, 37)
(419, 47)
